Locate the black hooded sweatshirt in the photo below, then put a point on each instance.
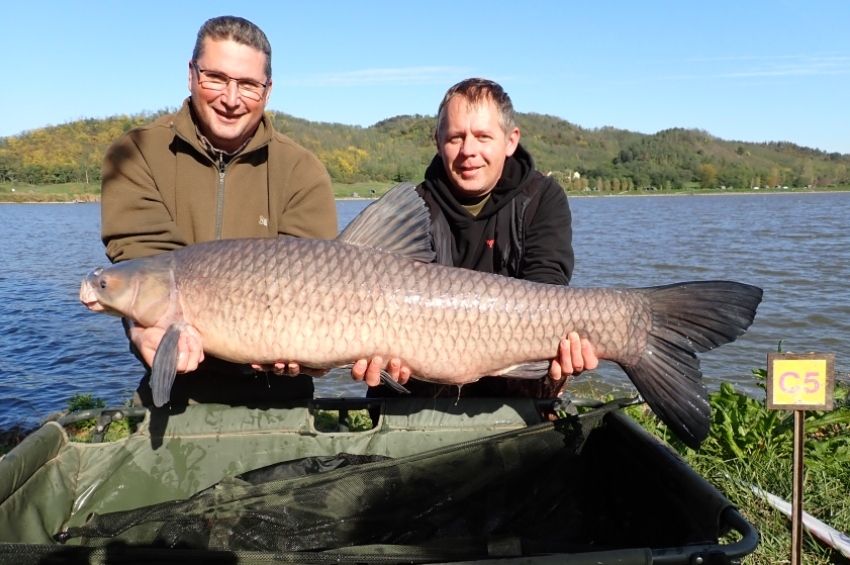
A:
(523, 231)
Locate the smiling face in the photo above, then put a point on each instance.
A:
(474, 145)
(228, 118)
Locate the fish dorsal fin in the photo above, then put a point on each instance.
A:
(398, 222)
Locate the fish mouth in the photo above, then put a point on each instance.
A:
(88, 296)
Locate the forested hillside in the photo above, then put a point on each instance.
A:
(400, 148)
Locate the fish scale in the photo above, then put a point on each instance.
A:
(450, 325)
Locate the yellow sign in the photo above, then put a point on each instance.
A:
(800, 382)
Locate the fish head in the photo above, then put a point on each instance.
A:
(141, 290)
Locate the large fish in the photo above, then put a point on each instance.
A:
(374, 291)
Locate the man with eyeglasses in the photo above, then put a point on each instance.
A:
(215, 169)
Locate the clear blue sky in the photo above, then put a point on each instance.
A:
(741, 70)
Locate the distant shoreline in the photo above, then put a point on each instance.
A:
(717, 192)
(713, 193)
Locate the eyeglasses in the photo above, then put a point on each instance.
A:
(212, 80)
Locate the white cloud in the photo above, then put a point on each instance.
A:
(753, 66)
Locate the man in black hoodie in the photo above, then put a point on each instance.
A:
(491, 211)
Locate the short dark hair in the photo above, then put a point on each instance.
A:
(236, 29)
(477, 90)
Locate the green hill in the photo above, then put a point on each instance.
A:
(399, 148)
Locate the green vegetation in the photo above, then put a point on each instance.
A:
(85, 402)
(360, 189)
(360, 160)
(750, 445)
(328, 421)
(62, 192)
(83, 431)
(71, 152)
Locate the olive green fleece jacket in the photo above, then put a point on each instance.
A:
(162, 190)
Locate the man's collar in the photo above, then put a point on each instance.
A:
(219, 155)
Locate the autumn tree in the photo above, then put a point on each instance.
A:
(707, 175)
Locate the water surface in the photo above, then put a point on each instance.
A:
(795, 246)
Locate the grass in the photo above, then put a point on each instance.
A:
(65, 192)
(330, 421)
(90, 192)
(84, 431)
(82, 192)
(360, 189)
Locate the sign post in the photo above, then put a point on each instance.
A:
(799, 383)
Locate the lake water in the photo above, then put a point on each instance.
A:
(795, 246)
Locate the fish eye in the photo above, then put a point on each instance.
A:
(102, 283)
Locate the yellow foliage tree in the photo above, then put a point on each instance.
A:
(707, 174)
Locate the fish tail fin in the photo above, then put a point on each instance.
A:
(164, 369)
(688, 318)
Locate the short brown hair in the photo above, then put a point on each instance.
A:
(475, 91)
(236, 29)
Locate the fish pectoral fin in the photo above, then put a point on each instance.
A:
(164, 369)
(385, 378)
(388, 380)
(534, 370)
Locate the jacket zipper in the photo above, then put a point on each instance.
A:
(222, 169)
(219, 198)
